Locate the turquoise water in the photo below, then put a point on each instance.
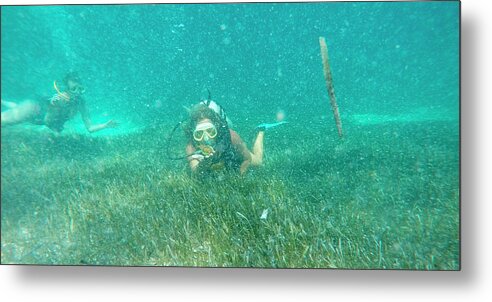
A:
(396, 74)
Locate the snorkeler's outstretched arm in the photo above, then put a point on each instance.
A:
(94, 127)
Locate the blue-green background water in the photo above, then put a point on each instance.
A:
(386, 57)
(396, 75)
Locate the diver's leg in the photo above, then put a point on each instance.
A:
(257, 154)
(20, 113)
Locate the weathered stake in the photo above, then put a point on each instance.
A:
(329, 84)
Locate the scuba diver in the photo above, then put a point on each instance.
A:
(213, 145)
(54, 112)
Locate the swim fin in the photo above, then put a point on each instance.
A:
(264, 126)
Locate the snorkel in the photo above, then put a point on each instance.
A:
(63, 95)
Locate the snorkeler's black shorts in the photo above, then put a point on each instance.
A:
(42, 104)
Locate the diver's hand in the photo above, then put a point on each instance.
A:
(201, 157)
(197, 157)
(204, 162)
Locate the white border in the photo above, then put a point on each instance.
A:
(473, 283)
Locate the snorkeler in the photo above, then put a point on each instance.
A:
(213, 145)
(54, 112)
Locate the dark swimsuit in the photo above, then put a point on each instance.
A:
(43, 107)
(231, 158)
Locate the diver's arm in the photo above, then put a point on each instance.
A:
(193, 160)
(240, 146)
(88, 123)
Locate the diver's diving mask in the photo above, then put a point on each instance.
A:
(79, 89)
(204, 131)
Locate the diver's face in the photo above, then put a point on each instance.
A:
(75, 88)
(205, 132)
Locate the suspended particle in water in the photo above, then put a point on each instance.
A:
(280, 115)
(279, 72)
(226, 41)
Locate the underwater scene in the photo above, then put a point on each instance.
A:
(266, 135)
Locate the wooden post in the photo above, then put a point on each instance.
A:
(329, 84)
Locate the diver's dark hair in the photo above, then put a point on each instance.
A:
(71, 76)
